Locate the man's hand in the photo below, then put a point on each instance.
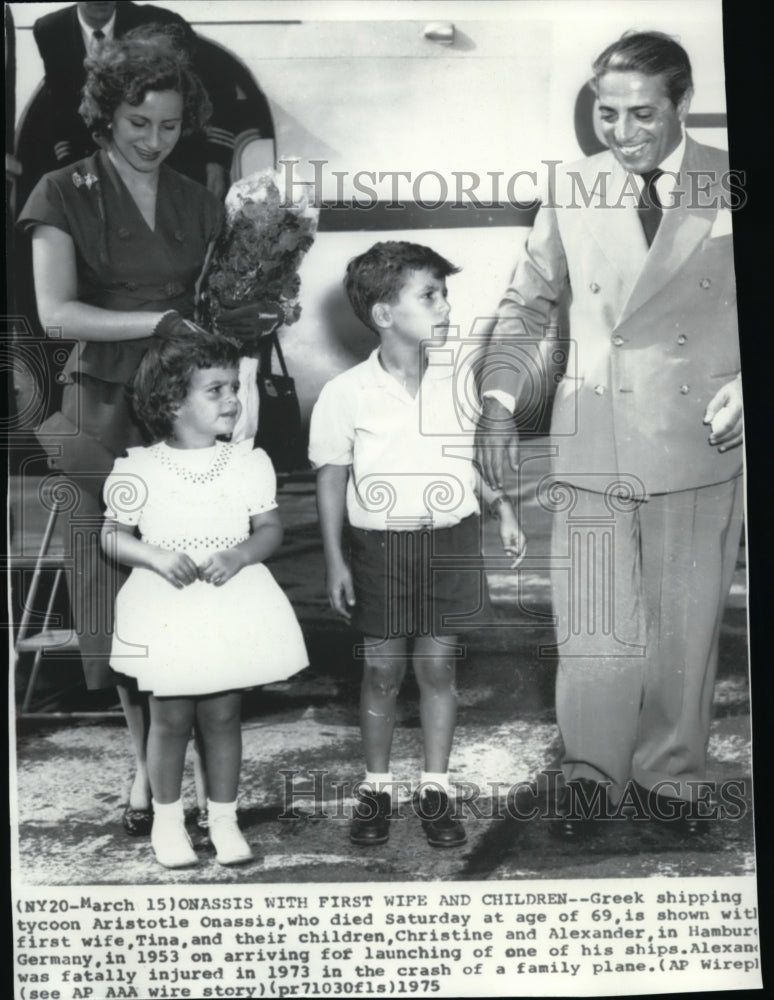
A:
(725, 417)
(216, 180)
(341, 592)
(495, 435)
(512, 538)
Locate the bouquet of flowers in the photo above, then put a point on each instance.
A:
(257, 255)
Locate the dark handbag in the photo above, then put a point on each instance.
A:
(280, 432)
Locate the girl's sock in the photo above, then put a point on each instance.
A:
(169, 839)
(222, 810)
(227, 839)
(434, 780)
(377, 781)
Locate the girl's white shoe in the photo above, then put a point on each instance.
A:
(169, 838)
(230, 845)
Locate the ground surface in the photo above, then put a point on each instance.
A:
(73, 775)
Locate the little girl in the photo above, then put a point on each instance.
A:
(200, 617)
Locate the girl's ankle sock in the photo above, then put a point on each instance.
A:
(168, 812)
(169, 839)
(221, 810)
(227, 839)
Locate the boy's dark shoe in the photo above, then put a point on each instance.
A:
(440, 826)
(371, 820)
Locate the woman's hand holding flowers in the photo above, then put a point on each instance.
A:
(249, 322)
(172, 325)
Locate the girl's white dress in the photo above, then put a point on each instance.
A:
(200, 639)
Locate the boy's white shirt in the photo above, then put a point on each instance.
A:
(411, 458)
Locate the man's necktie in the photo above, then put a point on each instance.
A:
(97, 38)
(649, 206)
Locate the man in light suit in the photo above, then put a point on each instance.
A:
(646, 470)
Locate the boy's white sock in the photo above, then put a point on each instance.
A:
(377, 781)
(434, 780)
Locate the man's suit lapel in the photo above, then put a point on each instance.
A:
(612, 221)
(681, 231)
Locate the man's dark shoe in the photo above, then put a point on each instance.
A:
(440, 826)
(581, 805)
(371, 820)
(679, 817)
(538, 798)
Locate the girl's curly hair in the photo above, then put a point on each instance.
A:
(149, 58)
(163, 377)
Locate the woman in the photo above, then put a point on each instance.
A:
(118, 240)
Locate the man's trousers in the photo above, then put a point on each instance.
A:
(639, 590)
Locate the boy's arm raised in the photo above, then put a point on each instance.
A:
(331, 505)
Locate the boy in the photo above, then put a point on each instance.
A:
(375, 440)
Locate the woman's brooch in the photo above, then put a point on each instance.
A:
(88, 179)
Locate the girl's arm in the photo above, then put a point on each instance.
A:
(331, 504)
(120, 542)
(56, 293)
(264, 541)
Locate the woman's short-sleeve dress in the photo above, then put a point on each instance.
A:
(200, 639)
(122, 265)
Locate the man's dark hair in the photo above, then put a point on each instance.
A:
(652, 53)
(378, 275)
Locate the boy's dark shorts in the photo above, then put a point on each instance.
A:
(419, 583)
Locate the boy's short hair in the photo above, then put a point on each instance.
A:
(378, 275)
(163, 377)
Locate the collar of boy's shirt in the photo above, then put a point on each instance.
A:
(440, 363)
(107, 29)
(666, 181)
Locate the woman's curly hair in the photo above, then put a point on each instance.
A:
(163, 377)
(149, 58)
